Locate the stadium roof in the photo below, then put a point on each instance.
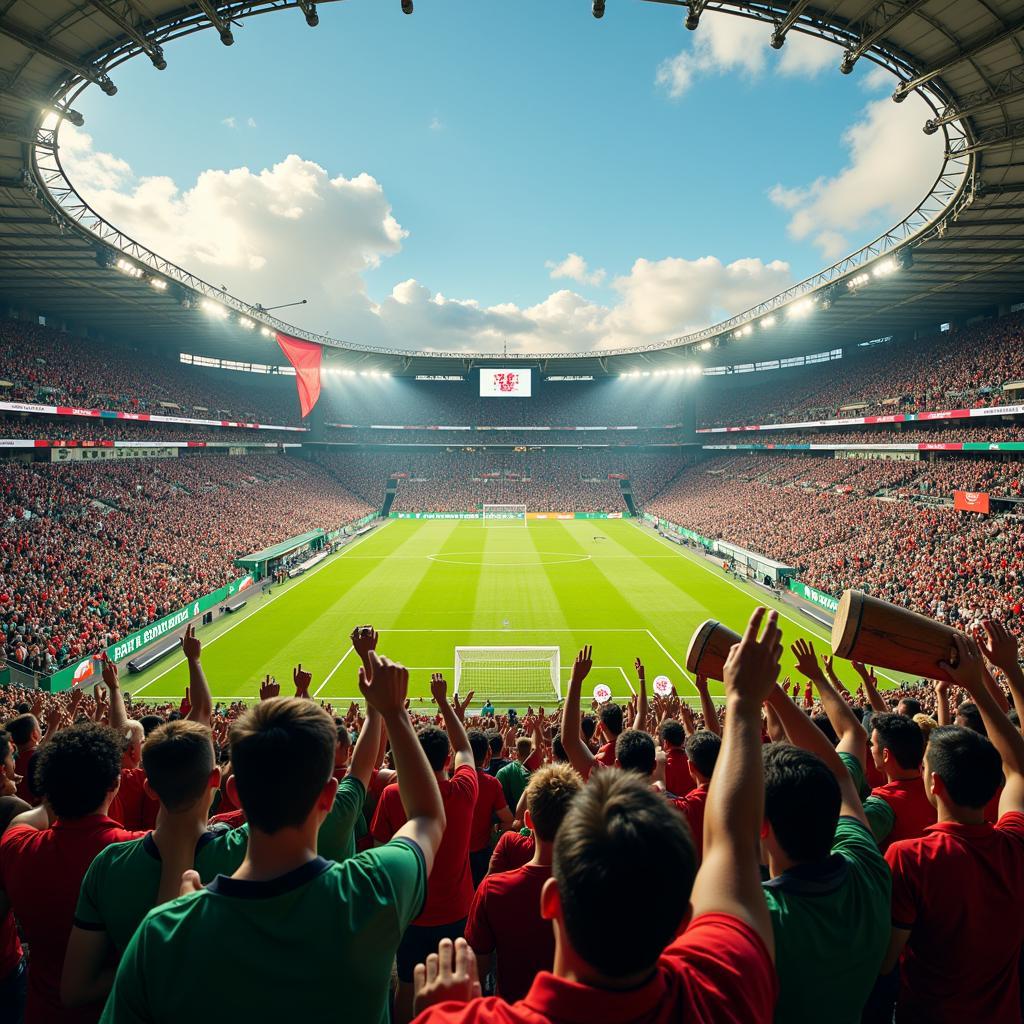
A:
(959, 253)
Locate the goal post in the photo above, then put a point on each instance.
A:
(523, 674)
(511, 515)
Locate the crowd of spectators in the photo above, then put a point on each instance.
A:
(549, 480)
(937, 434)
(80, 428)
(960, 368)
(850, 523)
(92, 551)
(444, 864)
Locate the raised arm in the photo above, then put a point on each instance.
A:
(364, 756)
(364, 640)
(942, 713)
(729, 879)
(201, 710)
(852, 735)
(385, 690)
(457, 735)
(118, 712)
(802, 732)
(707, 706)
(969, 673)
(576, 750)
(641, 704)
(1000, 648)
(867, 676)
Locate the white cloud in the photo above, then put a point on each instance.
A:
(292, 231)
(574, 268)
(436, 124)
(890, 167)
(726, 44)
(229, 122)
(251, 122)
(877, 78)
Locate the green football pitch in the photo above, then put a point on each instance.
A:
(431, 585)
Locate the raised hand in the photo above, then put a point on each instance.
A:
(806, 659)
(269, 688)
(969, 668)
(364, 639)
(639, 666)
(191, 645)
(302, 680)
(438, 688)
(866, 673)
(999, 646)
(753, 664)
(448, 974)
(581, 666)
(460, 706)
(387, 686)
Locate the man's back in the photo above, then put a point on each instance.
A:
(831, 926)
(899, 810)
(956, 888)
(513, 778)
(490, 799)
(41, 872)
(505, 918)
(717, 971)
(325, 932)
(678, 780)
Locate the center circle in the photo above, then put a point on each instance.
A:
(508, 559)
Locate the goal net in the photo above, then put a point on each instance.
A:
(507, 515)
(500, 674)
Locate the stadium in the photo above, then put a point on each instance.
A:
(568, 597)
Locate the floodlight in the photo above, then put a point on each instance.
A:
(266, 332)
(768, 321)
(407, 6)
(801, 308)
(705, 346)
(158, 283)
(859, 281)
(214, 309)
(245, 323)
(692, 21)
(885, 267)
(598, 9)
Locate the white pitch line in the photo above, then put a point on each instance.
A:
(736, 586)
(341, 661)
(673, 660)
(525, 629)
(624, 676)
(269, 601)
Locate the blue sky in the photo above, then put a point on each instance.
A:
(506, 136)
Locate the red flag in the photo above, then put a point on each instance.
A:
(305, 356)
(970, 501)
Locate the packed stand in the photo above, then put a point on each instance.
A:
(94, 551)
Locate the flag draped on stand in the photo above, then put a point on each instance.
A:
(305, 356)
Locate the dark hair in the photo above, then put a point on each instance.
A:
(549, 793)
(634, 750)
(615, 823)
(282, 754)
(801, 801)
(558, 750)
(480, 746)
(496, 742)
(672, 733)
(911, 706)
(702, 749)
(971, 717)
(588, 726)
(78, 767)
(21, 728)
(178, 759)
(823, 723)
(150, 722)
(6, 744)
(344, 736)
(967, 762)
(902, 736)
(434, 742)
(611, 718)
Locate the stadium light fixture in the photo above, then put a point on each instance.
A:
(884, 268)
(768, 321)
(858, 282)
(801, 309)
(245, 323)
(407, 6)
(129, 268)
(266, 332)
(598, 9)
(214, 309)
(705, 346)
(694, 370)
(646, 373)
(158, 283)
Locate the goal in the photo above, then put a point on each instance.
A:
(509, 515)
(500, 674)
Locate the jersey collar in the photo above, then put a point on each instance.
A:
(244, 888)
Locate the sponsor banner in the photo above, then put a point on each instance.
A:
(98, 454)
(971, 501)
(617, 476)
(505, 383)
(12, 442)
(77, 674)
(815, 597)
(978, 446)
(433, 515)
(70, 410)
(945, 414)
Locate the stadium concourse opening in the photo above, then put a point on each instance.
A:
(571, 681)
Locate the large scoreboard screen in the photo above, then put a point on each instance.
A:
(505, 383)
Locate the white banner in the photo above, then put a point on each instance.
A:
(101, 454)
(505, 383)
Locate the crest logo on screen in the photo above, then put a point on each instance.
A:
(507, 382)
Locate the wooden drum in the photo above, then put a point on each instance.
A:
(709, 648)
(877, 633)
